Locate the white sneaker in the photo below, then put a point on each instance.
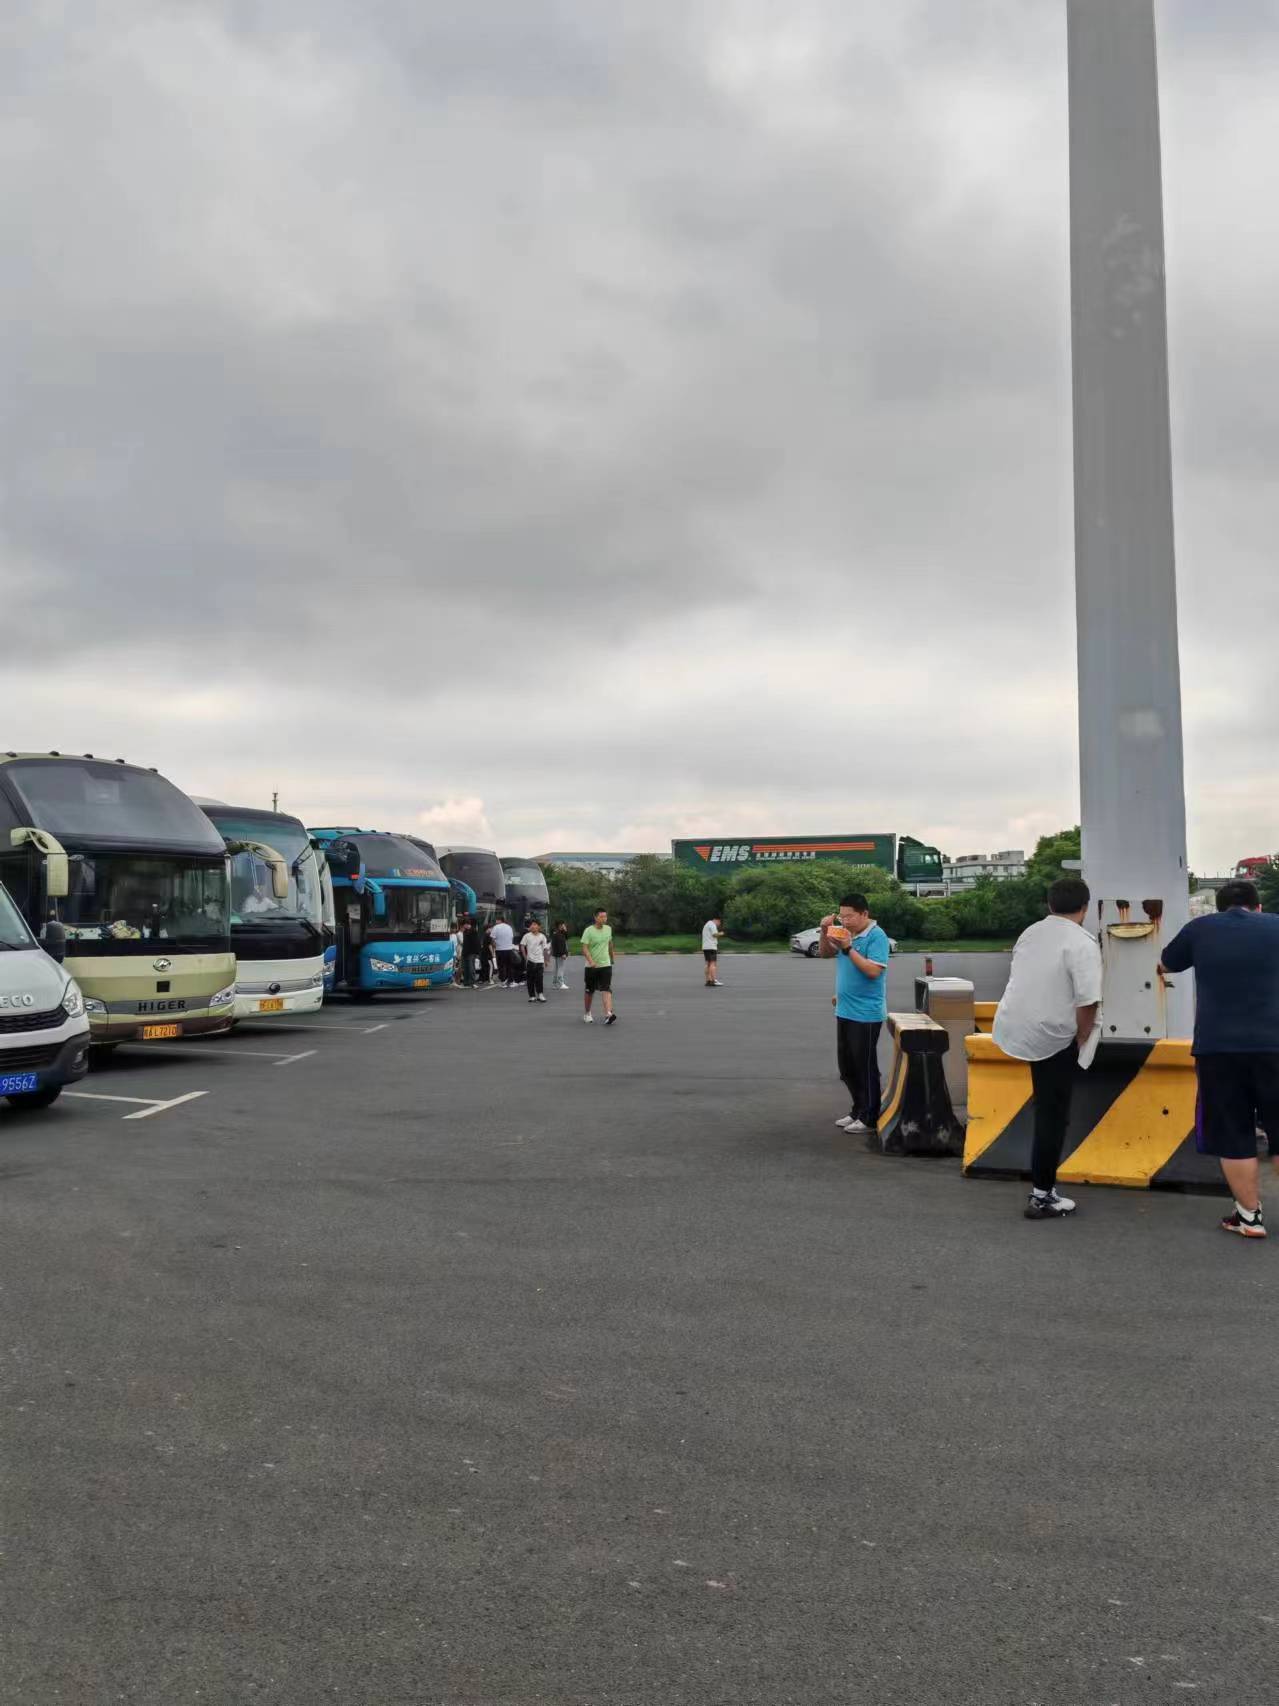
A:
(845, 1122)
(1051, 1207)
(857, 1125)
(587, 1020)
(541, 998)
(717, 984)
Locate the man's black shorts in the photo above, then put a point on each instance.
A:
(1237, 1093)
(598, 979)
(710, 955)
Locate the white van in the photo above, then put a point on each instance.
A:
(44, 1030)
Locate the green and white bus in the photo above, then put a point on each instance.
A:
(137, 876)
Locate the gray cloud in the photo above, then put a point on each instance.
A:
(624, 419)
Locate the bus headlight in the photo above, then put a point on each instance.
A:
(315, 980)
(382, 965)
(72, 1000)
(94, 1006)
(223, 996)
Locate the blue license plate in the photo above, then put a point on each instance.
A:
(18, 1083)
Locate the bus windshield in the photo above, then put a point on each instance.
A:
(13, 929)
(119, 903)
(253, 900)
(86, 800)
(413, 912)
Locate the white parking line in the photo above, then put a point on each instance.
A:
(146, 1105)
(91, 1096)
(173, 1102)
(290, 1058)
(351, 1030)
(234, 1048)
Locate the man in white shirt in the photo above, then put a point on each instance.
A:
(503, 943)
(535, 946)
(711, 932)
(1046, 1015)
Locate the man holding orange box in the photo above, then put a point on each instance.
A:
(860, 951)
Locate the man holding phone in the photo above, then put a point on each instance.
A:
(860, 951)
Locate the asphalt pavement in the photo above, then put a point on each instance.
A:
(449, 1351)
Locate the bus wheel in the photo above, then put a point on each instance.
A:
(100, 1055)
(36, 1098)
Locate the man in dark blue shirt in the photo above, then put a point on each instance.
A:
(1235, 958)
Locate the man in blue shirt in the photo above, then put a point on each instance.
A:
(1235, 958)
(860, 951)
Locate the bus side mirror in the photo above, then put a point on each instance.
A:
(57, 878)
(379, 903)
(56, 875)
(279, 878)
(53, 939)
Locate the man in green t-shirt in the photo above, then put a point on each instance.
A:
(597, 951)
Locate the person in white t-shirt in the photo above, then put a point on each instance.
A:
(503, 943)
(536, 946)
(1045, 1017)
(712, 930)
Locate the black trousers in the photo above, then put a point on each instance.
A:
(534, 976)
(504, 958)
(857, 1052)
(1053, 1081)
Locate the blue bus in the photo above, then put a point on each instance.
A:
(392, 908)
(465, 899)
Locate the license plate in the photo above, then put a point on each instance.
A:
(153, 1033)
(421, 983)
(18, 1083)
(272, 1004)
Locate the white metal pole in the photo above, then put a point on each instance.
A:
(1132, 785)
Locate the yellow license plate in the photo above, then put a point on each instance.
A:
(153, 1033)
(272, 1004)
(421, 983)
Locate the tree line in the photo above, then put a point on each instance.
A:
(653, 896)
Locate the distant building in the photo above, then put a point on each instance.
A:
(610, 863)
(971, 868)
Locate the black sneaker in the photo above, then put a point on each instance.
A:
(1051, 1207)
(611, 1020)
(1250, 1226)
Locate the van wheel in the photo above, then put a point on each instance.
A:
(37, 1098)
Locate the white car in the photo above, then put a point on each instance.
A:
(44, 1031)
(808, 942)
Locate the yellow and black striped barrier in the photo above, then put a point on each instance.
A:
(1132, 1121)
(917, 1117)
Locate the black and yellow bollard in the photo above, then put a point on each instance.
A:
(917, 1117)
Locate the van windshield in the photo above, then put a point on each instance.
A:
(13, 929)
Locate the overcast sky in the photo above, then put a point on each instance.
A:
(573, 423)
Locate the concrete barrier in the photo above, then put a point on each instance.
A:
(917, 1116)
(1132, 1121)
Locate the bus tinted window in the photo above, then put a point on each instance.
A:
(393, 856)
(83, 801)
(481, 870)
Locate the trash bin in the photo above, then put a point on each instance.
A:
(949, 1001)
